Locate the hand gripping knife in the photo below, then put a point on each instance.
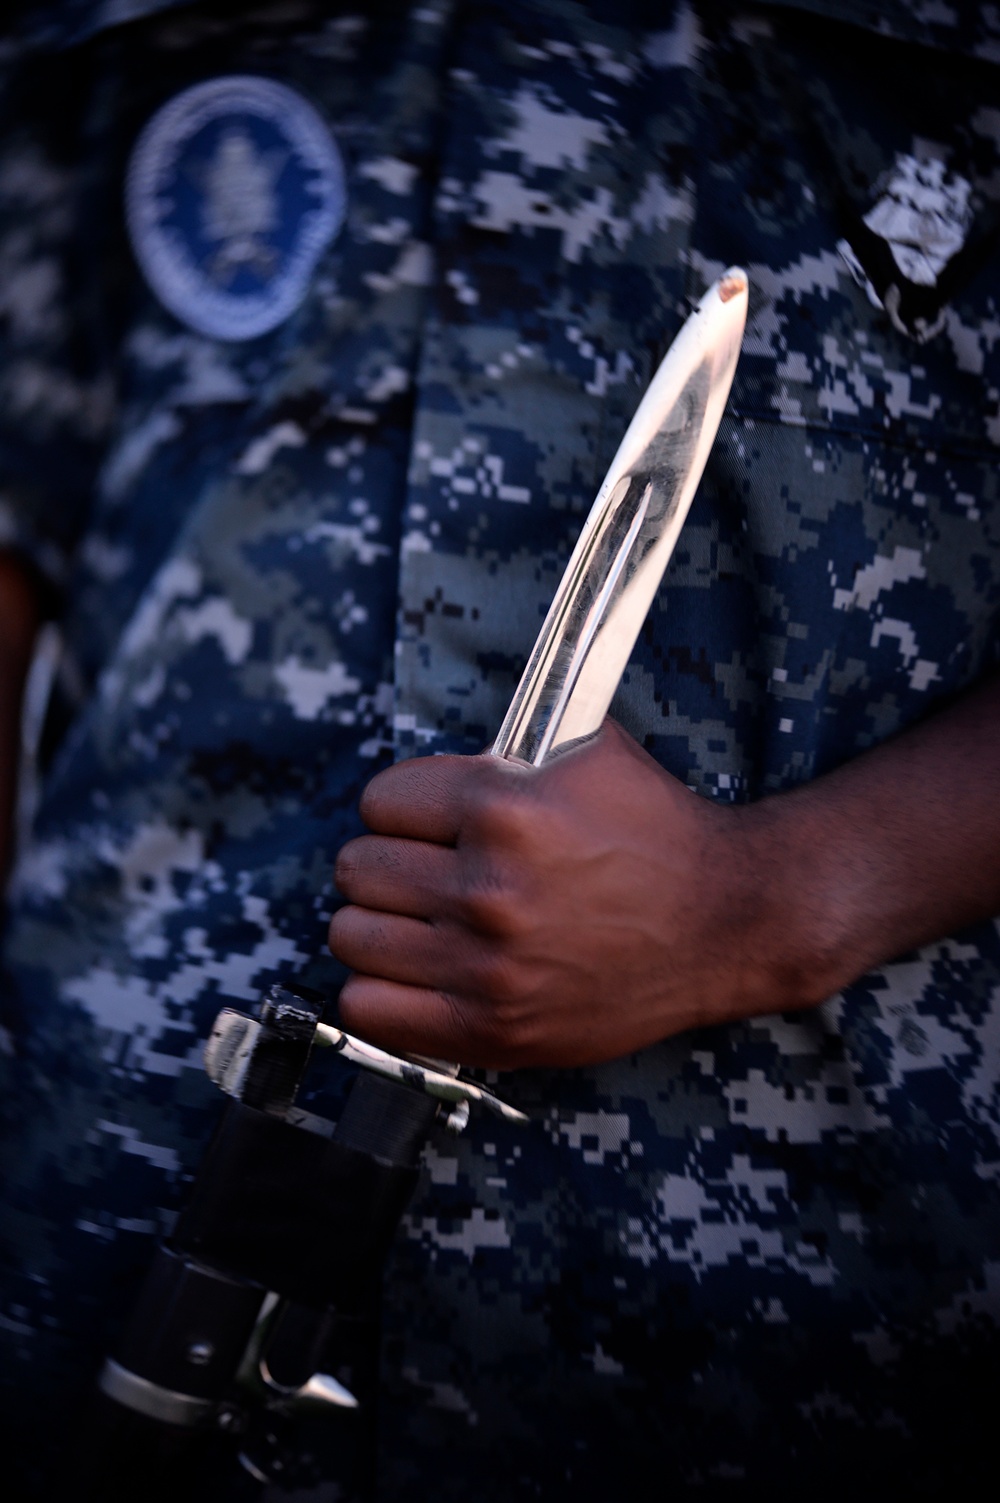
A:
(276, 1262)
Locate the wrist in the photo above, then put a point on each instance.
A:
(806, 939)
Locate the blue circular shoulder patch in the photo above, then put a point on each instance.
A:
(234, 190)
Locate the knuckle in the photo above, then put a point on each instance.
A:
(381, 798)
(493, 906)
(397, 858)
(456, 1011)
(345, 867)
(507, 1041)
(495, 811)
(492, 1024)
(355, 1004)
(499, 983)
(349, 934)
(371, 800)
(335, 934)
(362, 864)
(477, 1030)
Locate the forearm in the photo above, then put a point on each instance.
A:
(19, 616)
(894, 850)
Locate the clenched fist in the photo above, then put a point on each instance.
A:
(506, 915)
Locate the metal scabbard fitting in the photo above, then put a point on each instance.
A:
(231, 1055)
(291, 1216)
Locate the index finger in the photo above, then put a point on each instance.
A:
(426, 798)
(420, 799)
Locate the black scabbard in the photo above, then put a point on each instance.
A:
(272, 1277)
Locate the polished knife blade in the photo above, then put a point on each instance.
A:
(626, 543)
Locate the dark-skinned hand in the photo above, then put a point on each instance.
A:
(505, 915)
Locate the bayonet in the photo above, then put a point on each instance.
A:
(292, 1215)
(628, 538)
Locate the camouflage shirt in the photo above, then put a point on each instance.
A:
(757, 1259)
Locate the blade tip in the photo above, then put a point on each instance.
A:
(733, 283)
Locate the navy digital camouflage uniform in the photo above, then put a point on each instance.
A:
(759, 1259)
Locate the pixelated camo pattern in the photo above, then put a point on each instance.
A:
(759, 1257)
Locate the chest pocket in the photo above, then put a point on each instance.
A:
(912, 148)
(840, 571)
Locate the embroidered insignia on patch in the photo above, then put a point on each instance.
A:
(234, 190)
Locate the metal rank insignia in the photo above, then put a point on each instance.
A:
(234, 190)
